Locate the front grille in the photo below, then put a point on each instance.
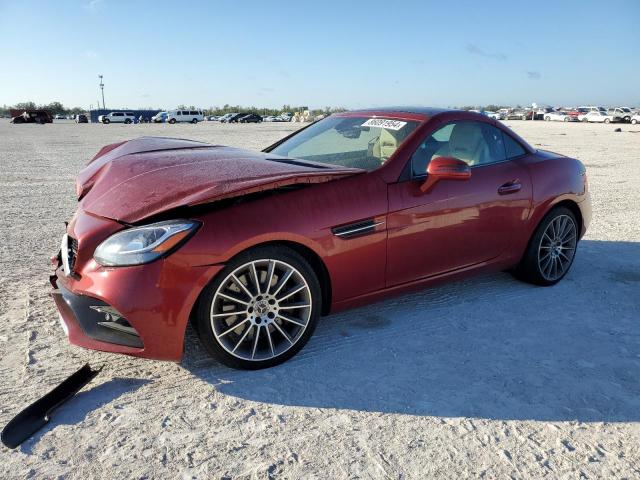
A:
(72, 252)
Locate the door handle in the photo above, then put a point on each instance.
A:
(510, 187)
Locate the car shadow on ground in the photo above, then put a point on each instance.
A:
(489, 347)
(77, 408)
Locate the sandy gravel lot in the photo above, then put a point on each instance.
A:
(486, 378)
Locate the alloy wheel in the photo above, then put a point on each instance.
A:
(557, 247)
(261, 310)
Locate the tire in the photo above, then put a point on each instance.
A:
(172, 121)
(260, 308)
(549, 255)
(566, 119)
(634, 121)
(194, 121)
(106, 121)
(606, 120)
(127, 121)
(547, 119)
(585, 120)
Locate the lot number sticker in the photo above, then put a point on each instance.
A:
(382, 123)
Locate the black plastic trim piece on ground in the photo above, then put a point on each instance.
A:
(37, 415)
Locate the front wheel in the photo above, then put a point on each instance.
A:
(606, 120)
(194, 121)
(552, 248)
(260, 310)
(634, 121)
(172, 121)
(106, 121)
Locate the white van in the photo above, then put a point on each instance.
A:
(117, 117)
(192, 116)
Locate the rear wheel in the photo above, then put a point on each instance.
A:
(566, 119)
(195, 120)
(547, 118)
(606, 120)
(261, 309)
(172, 121)
(634, 121)
(127, 121)
(551, 250)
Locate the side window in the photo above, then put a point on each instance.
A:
(193, 112)
(476, 143)
(512, 148)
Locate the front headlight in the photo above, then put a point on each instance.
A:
(139, 245)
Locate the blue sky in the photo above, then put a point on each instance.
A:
(322, 53)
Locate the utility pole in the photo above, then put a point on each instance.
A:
(102, 89)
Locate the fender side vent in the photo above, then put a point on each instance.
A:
(356, 229)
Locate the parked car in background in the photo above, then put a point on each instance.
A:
(224, 118)
(81, 118)
(188, 116)
(494, 115)
(519, 114)
(236, 117)
(31, 116)
(540, 112)
(251, 118)
(622, 114)
(596, 116)
(576, 111)
(59, 116)
(381, 202)
(635, 118)
(557, 116)
(593, 108)
(159, 117)
(212, 118)
(268, 118)
(117, 117)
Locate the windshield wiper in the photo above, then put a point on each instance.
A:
(299, 163)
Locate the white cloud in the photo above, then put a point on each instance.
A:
(93, 4)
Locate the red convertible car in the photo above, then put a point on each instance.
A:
(254, 247)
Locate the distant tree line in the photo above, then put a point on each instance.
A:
(268, 111)
(58, 108)
(53, 107)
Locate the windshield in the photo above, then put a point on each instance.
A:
(355, 142)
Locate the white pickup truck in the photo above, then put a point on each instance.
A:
(621, 114)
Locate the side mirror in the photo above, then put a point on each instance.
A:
(445, 168)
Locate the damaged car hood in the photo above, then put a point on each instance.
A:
(141, 178)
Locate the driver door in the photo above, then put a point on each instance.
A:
(456, 224)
